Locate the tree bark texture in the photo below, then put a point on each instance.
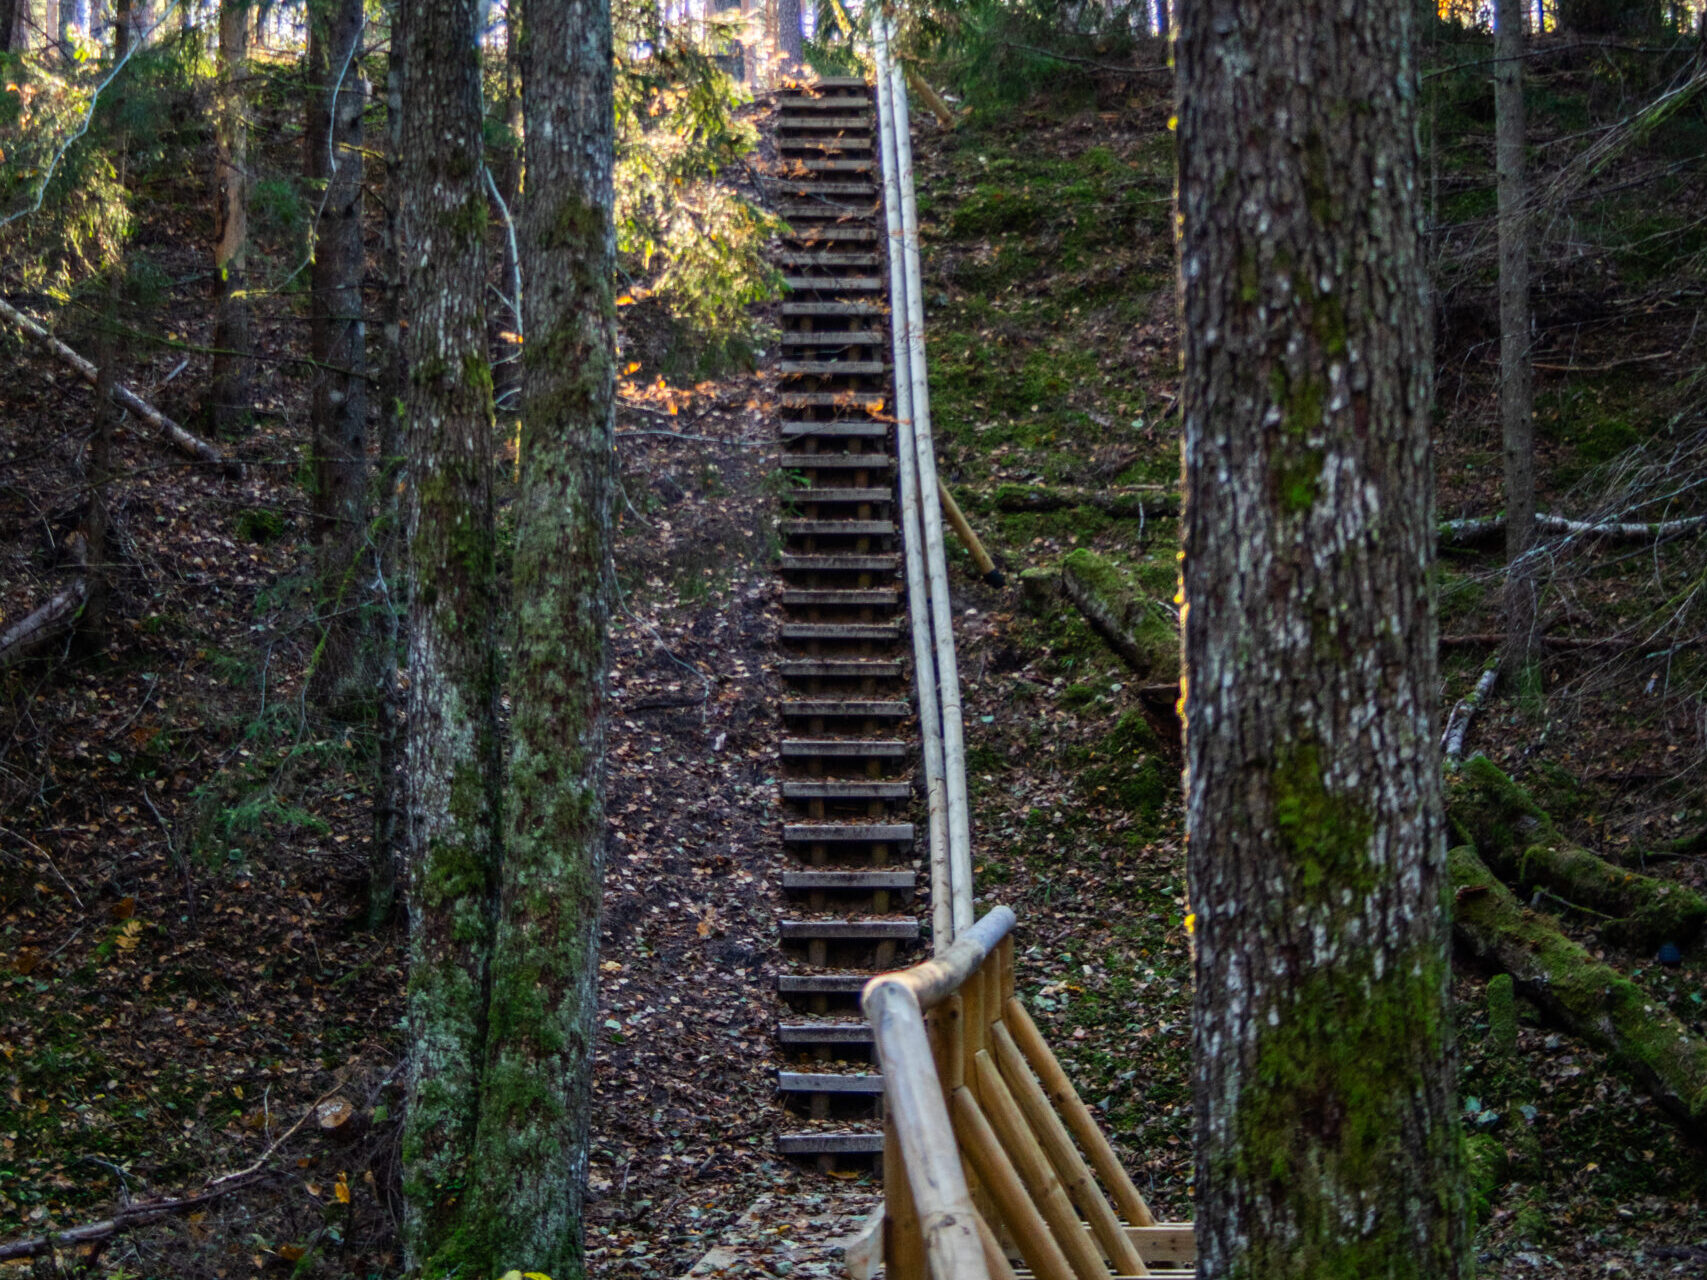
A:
(337, 338)
(532, 1150)
(790, 42)
(1327, 1140)
(451, 765)
(1517, 389)
(233, 335)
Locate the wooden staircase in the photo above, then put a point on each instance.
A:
(848, 751)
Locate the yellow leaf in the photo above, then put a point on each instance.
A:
(1191, 922)
(291, 1252)
(129, 934)
(342, 1189)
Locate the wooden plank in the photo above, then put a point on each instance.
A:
(848, 881)
(838, 708)
(818, 984)
(791, 310)
(839, 493)
(850, 598)
(1057, 1144)
(895, 833)
(903, 1241)
(812, 1033)
(858, 429)
(802, 368)
(838, 789)
(830, 102)
(844, 748)
(824, 1082)
(839, 668)
(813, 1144)
(1173, 1243)
(824, 122)
(841, 564)
(1035, 1171)
(1039, 1248)
(850, 930)
(838, 284)
(833, 337)
(870, 401)
(1079, 1120)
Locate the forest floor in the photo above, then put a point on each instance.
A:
(183, 849)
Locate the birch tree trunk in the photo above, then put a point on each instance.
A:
(233, 334)
(1327, 1141)
(1516, 375)
(451, 768)
(532, 1151)
(337, 339)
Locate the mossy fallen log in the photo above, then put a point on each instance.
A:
(1150, 504)
(1578, 993)
(1138, 627)
(1515, 837)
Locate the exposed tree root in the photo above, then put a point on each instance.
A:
(184, 441)
(1578, 993)
(1517, 839)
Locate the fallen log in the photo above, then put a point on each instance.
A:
(1578, 993)
(30, 633)
(1142, 631)
(1516, 837)
(185, 441)
(1156, 504)
(1458, 723)
(1482, 528)
(132, 1215)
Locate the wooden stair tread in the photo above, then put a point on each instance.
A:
(834, 338)
(820, 367)
(839, 494)
(866, 430)
(840, 668)
(821, 984)
(845, 789)
(850, 632)
(851, 930)
(825, 1033)
(793, 309)
(834, 708)
(896, 833)
(828, 1082)
(836, 462)
(820, 1144)
(851, 881)
(844, 748)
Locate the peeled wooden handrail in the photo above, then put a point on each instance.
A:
(918, 1119)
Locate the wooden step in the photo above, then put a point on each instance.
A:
(840, 82)
(817, 188)
(849, 632)
(826, 102)
(827, 493)
(811, 1033)
(829, 258)
(843, 597)
(834, 338)
(815, 121)
(849, 881)
(850, 930)
(822, 234)
(798, 144)
(844, 749)
(829, 1144)
(852, 212)
(836, 462)
(838, 528)
(821, 984)
(836, 789)
(801, 368)
(844, 708)
(862, 428)
(835, 166)
(870, 401)
(841, 564)
(825, 1082)
(838, 669)
(899, 834)
(835, 284)
(791, 310)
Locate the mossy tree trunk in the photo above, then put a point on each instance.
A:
(337, 338)
(451, 759)
(532, 1148)
(1327, 1138)
(233, 334)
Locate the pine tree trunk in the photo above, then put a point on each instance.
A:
(337, 338)
(1516, 374)
(1327, 1136)
(789, 41)
(10, 13)
(532, 1151)
(451, 759)
(233, 334)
